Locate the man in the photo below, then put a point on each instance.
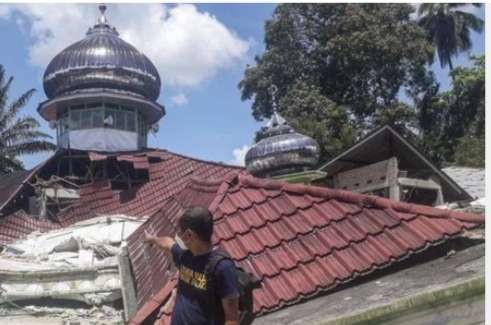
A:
(191, 252)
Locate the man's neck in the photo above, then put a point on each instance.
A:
(202, 249)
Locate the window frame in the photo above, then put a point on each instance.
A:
(128, 118)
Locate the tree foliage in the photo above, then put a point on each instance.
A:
(320, 118)
(469, 151)
(19, 135)
(354, 58)
(451, 120)
(340, 70)
(448, 27)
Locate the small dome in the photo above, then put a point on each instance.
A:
(101, 60)
(281, 150)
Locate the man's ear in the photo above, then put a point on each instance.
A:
(187, 233)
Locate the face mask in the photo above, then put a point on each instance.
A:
(180, 242)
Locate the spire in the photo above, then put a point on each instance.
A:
(276, 118)
(273, 90)
(102, 25)
(102, 18)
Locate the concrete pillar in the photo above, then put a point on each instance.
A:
(128, 290)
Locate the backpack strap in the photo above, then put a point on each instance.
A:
(216, 256)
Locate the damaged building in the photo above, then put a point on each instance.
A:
(71, 229)
(386, 164)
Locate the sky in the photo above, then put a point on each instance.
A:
(200, 51)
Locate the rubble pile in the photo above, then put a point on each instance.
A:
(76, 265)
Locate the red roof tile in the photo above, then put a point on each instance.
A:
(302, 240)
(168, 174)
(19, 224)
(152, 267)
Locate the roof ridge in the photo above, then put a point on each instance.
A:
(146, 150)
(205, 182)
(357, 198)
(26, 177)
(196, 159)
(227, 183)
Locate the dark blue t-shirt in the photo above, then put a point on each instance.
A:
(192, 299)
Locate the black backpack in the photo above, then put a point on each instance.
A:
(247, 282)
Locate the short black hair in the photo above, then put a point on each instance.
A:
(198, 220)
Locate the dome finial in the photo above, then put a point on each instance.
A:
(102, 18)
(276, 118)
(273, 90)
(102, 25)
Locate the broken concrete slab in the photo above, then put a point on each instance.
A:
(77, 263)
(34, 315)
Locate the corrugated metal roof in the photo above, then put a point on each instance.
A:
(473, 180)
(10, 183)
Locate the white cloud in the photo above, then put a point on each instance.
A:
(179, 99)
(186, 45)
(239, 155)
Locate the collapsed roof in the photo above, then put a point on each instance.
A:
(300, 240)
(75, 263)
(130, 183)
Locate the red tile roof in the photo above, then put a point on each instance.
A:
(152, 268)
(167, 174)
(19, 224)
(303, 240)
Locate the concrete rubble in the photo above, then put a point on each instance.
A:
(477, 206)
(61, 315)
(74, 266)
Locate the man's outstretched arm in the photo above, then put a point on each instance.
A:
(165, 243)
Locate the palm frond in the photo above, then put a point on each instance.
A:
(22, 133)
(2, 75)
(4, 88)
(426, 8)
(471, 21)
(30, 148)
(15, 107)
(18, 135)
(448, 28)
(9, 165)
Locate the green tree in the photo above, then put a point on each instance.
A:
(469, 152)
(454, 119)
(18, 135)
(358, 56)
(448, 27)
(468, 90)
(312, 114)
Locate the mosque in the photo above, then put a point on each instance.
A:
(305, 243)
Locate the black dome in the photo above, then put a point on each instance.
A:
(101, 60)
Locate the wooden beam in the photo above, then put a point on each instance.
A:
(418, 183)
